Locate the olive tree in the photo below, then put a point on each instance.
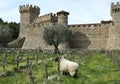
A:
(5, 35)
(56, 34)
(8, 32)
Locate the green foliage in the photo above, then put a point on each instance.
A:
(5, 35)
(56, 34)
(1, 21)
(14, 29)
(8, 32)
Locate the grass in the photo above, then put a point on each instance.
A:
(95, 69)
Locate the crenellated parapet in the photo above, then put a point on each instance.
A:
(115, 7)
(85, 25)
(110, 22)
(29, 8)
(50, 17)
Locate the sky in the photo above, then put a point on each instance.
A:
(81, 11)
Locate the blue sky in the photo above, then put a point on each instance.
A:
(81, 11)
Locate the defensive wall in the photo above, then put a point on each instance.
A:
(103, 35)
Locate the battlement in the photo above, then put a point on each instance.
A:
(115, 7)
(50, 17)
(106, 22)
(85, 25)
(91, 25)
(26, 8)
(115, 4)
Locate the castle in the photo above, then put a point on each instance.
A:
(104, 35)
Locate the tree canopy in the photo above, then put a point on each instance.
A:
(56, 34)
(8, 32)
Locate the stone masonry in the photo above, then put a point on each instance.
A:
(103, 35)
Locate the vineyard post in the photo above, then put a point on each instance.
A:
(28, 53)
(110, 53)
(79, 57)
(4, 62)
(17, 60)
(43, 54)
(20, 54)
(117, 62)
(58, 78)
(33, 54)
(88, 54)
(30, 73)
(37, 59)
(46, 72)
(71, 56)
(13, 52)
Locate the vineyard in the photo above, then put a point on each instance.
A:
(20, 66)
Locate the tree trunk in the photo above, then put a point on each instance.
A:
(56, 50)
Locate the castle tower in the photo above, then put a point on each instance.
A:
(27, 14)
(63, 17)
(114, 30)
(115, 13)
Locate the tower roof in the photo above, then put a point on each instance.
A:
(62, 12)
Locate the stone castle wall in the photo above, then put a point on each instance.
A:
(90, 36)
(34, 40)
(104, 35)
